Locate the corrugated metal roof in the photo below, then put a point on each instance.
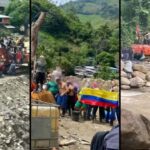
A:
(4, 16)
(10, 27)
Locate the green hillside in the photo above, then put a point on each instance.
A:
(67, 41)
(97, 12)
(96, 20)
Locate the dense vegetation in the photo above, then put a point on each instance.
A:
(66, 41)
(19, 13)
(134, 12)
(97, 12)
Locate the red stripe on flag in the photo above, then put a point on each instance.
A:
(95, 103)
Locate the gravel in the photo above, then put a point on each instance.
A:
(14, 113)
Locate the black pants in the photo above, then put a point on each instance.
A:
(71, 103)
(40, 77)
(101, 112)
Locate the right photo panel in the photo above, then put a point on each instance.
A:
(135, 74)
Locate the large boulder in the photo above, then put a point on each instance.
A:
(128, 67)
(137, 82)
(125, 81)
(139, 67)
(139, 74)
(148, 76)
(124, 74)
(122, 65)
(135, 131)
(147, 84)
(116, 88)
(125, 87)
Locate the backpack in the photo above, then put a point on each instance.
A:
(107, 140)
(98, 140)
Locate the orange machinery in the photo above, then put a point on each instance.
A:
(139, 48)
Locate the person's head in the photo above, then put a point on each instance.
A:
(42, 59)
(58, 80)
(69, 83)
(49, 78)
(48, 71)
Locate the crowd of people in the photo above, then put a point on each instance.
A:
(66, 94)
(13, 52)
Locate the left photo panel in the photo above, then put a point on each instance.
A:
(14, 74)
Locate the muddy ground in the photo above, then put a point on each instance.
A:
(14, 113)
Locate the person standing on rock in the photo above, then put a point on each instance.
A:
(40, 69)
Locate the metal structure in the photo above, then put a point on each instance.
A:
(44, 125)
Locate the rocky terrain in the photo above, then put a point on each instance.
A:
(14, 113)
(135, 119)
(134, 75)
(135, 114)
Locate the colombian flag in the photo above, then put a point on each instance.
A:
(96, 97)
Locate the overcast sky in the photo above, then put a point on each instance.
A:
(61, 2)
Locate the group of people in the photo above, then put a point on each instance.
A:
(144, 39)
(66, 94)
(14, 51)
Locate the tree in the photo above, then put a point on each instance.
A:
(105, 59)
(34, 33)
(106, 73)
(19, 13)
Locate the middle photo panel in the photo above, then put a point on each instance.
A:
(75, 74)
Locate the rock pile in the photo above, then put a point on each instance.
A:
(94, 83)
(134, 75)
(14, 113)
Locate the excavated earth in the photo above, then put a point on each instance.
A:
(14, 113)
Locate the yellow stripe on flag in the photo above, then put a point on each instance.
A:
(100, 93)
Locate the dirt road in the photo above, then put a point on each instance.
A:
(80, 133)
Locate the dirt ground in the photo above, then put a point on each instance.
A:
(136, 100)
(80, 133)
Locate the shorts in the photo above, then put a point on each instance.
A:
(62, 101)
